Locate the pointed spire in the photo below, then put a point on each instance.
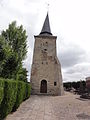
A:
(46, 27)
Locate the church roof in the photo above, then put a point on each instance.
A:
(46, 27)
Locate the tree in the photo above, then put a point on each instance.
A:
(88, 86)
(22, 74)
(4, 53)
(14, 51)
(16, 38)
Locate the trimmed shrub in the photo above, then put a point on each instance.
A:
(1, 94)
(20, 94)
(1, 89)
(28, 90)
(1, 82)
(10, 93)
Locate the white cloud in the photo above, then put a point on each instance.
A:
(77, 72)
(70, 22)
(70, 55)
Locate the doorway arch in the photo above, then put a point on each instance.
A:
(43, 86)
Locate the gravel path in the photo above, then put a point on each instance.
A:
(67, 107)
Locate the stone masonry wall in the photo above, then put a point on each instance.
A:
(46, 66)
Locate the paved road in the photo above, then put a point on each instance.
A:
(67, 107)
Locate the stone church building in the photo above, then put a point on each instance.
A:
(46, 76)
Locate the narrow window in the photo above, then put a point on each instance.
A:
(55, 83)
(46, 43)
(45, 49)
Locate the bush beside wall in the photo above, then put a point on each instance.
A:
(1, 94)
(2, 82)
(1, 90)
(28, 90)
(20, 94)
(12, 93)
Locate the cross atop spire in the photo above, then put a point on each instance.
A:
(46, 27)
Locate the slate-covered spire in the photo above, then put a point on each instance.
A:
(46, 27)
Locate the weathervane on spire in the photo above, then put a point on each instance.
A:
(46, 26)
(47, 7)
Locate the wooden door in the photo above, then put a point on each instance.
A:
(43, 88)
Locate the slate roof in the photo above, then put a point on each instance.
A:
(46, 27)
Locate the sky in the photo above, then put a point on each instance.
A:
(69, 21)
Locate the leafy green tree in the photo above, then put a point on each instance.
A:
(13, 49)
(22, 74)
(4, 52)
(16, 38)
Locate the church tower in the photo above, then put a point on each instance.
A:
(46, 77)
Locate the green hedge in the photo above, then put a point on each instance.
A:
(1, 90)
(12, 93)
(20, 94)
(1, 94)
(1, 82)
(28, 90)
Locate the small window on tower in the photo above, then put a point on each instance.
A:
(55, 83)
(45, 49)
(46, 43)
